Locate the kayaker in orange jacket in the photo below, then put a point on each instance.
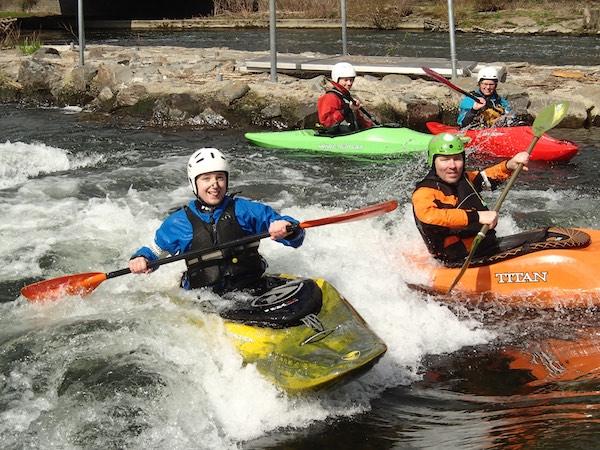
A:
(338, 111)
(447, 207)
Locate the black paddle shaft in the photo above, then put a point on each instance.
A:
(351, 100)
(195, 253)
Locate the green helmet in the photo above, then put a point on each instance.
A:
(445, 144)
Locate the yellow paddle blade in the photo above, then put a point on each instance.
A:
(549, 117)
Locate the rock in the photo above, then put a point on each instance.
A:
(209, 119)
(576, 117)
(233, 90)
(419, 112)
(205, 67)
(105, 95)
(43, 52)
(271, 111)
(175, 108)
(38, 75)
(131, 95)
(111, 75)
(395, 79)
(174, 87)
(520, 104)
(317, 84)
(568, 73)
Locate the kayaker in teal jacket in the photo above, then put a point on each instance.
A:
(215, 218)
(491, 106)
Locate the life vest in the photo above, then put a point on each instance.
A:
(349, 116)
(452, 244)
(493, 110)
(228, 269)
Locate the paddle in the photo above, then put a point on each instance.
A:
(84, 283)
(349, 97)
(547, 119)
(436, 76)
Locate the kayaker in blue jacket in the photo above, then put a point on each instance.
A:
(490, 108)
(215, 218)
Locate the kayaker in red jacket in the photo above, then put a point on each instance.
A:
(448, 209)
(338, 111)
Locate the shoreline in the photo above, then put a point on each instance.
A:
(207, 88)
(417, 24)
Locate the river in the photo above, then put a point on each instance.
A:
(125, 367)
(481, 47)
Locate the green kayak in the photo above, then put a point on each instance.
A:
(376, 141)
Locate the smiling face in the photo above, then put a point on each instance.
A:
(487, 87)
(449, 167)
(212, 187)
(346, 82)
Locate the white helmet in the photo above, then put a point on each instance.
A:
(206, 160)
(487, 73)
(342, 70)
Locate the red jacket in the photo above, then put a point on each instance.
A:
(332, 110)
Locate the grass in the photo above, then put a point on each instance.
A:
(11, 14)
(30, 44)
(388, 13)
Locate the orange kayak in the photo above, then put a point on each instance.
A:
(558, 360)
(561, 273)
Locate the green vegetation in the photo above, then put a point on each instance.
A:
(30, 45)
(388, 13)
(11, 14)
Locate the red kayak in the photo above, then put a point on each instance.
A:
(505, 142)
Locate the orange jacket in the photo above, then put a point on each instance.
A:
(333, 109)
(446, 214)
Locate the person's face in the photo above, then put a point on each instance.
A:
(449, 167)
(346, 83)
(212, 187)
(487, 87)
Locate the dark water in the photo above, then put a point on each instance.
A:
(547, 49)
(130, 367)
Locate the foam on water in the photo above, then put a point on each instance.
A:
(20, 161)
(199, 388)
(138, 364)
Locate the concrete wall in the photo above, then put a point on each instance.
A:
(118, 9)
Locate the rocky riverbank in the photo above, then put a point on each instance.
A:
(207, 88)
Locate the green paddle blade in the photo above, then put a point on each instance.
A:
(549, 117)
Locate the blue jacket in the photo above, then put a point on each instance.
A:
(174, 236)
(465, 108)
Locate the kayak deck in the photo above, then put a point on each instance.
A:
(376, 141)
(547, 278)
(331, 346)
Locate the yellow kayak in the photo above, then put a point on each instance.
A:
(303, 335)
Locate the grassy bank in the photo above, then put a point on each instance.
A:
(388, 13)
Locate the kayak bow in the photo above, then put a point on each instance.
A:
(506, 142)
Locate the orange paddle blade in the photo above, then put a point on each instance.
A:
(80, 284)
(357, 214)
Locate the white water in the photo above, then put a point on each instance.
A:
(200, 395)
